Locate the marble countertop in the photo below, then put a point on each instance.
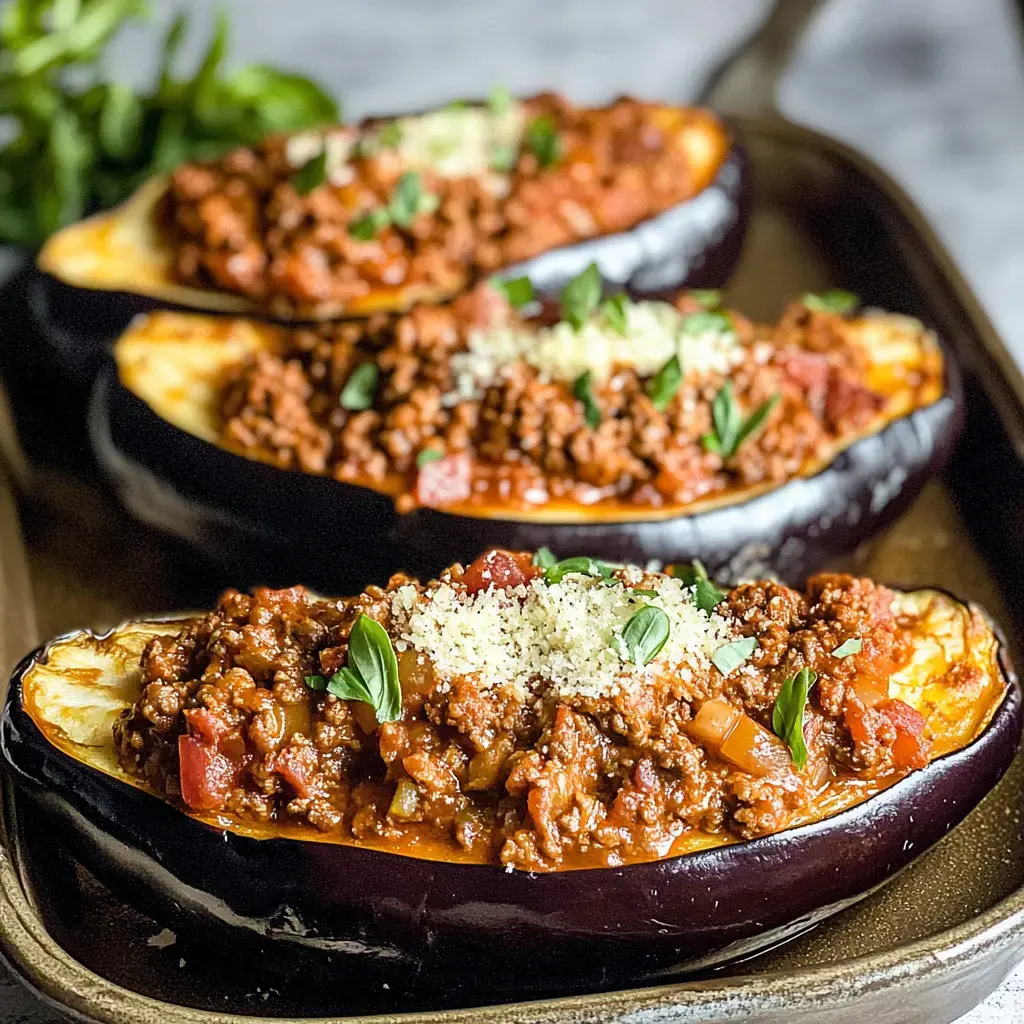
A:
(931, 89)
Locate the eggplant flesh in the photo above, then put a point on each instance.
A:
(116, 264)
(334, 903)
(154, 426)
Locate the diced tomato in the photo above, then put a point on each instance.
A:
(858, 721)
(205, 725)
(870, 692)
(910, 748)
(445, 480)
(297, 766)
(807, 370)
(849, 402)
(500, 570)
(207, 775)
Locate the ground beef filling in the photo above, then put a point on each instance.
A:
(536, 780)
(524, 440)
(239, 224)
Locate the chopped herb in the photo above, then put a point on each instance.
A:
(731, 430)
(706, 298)
(359, 389)
(542, 140)
(729, 657)
(835, 301)
(499, 100)
(615, 311)
(371, 675)
(581, 564)
(581, 389)
(788, 714)
(706, 322)
(311, 175)
(441, 149)
(428, 455)
(664, 385)
(390, 135)
(409, 199)
(848, 647)
(643, 593)
(644, 635)
(581, 296)
(518, 291)
(544, 557)
(369, 225)
(707, 597)
(504, 157)
(458, 105)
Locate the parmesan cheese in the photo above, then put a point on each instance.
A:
(563, 637)
(655, 331)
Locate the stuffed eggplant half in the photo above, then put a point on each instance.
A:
(350, 220)
(633, 430)
(638, 770)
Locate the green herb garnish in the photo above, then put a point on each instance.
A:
(706, 322)
(369, 225)
(390, 135)
(311, 175)
(75, 142)
(580, 564)
(788, 714)
(427, 456)
(544, 557)
(503, 157)
(581, 296)
(707, 597)
(848, 647)
(730, 428)
(706, 298)
(615, 310)
(410, 199)
(834, 301)
(499, 100)
(518, 291)
(581, 389)
(360, 388)
(641, 592)
(644, 635)
(665, 384)
(542, 140)
(730, 656)
(371, 675)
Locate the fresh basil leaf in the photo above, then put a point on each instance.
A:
(706, 322)
(371, 224)
(706, 596)
(360, 388)
(427, 456)
(409, 199)
(316, 682)
(120, 121)
(544, 557)
(542, 140)
(499, 100)
(311, 175)
(639, 591)
(372, 657)
(834, 301)
(706, 298)
(665, 384)
(581, 564)
(788, 714)
(848, 647)
(729, 657)
(645, 634)
(346, 685)
(581, 389)
(581, 296)
(277, 101)
(503, 157)
(755, 421)
(172, 44)
(615, 310)
(518, 291)
(200, 90)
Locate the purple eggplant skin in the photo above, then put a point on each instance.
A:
(398, 916)
(695, 244)
(335, 536)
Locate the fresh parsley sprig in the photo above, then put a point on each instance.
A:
(788, 714)
(371, 675)
(731, 430)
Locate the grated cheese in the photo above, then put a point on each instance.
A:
(565, 637)
(654, 333)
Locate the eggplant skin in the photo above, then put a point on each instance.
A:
(302, 526)
(395, 916)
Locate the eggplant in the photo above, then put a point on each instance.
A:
(154, 430)
(103, 270)
(298, 896)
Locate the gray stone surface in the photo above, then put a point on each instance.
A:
(931, 89)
